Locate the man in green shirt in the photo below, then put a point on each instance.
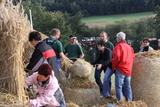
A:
(104, 36)
(56, 45)
(73, 50)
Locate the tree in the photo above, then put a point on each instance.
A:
(157, 21)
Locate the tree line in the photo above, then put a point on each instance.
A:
(44, 21)
(98, 7)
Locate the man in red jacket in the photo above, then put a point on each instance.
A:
(122, 62)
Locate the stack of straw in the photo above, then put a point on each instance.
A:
(14, 28)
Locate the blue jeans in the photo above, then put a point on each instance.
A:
(58, 63)
(123, 86)
(107, 82)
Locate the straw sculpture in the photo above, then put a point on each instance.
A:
(146, 78)
(14, 28)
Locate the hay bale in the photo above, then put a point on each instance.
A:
(66, 64)
(146, 78)
(14, 28)
(132, 104)
(9, 100)
(81, 69)
(81, 96)
(79, 83)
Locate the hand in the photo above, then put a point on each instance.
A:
(99, 66)
(26, 70)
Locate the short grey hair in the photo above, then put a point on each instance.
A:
(121, 35)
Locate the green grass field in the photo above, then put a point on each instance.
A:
(110, 19)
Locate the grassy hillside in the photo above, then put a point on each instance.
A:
(102, 21)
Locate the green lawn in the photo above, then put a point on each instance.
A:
(95, 20)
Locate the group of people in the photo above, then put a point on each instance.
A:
(116, 60)
(44, 66)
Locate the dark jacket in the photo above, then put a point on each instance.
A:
(104, 58)
(43, 53)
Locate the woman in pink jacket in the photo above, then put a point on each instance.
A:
(49, 93)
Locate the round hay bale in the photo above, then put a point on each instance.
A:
(81, 96)
(146, 78)
(81, 69)
(79, 83)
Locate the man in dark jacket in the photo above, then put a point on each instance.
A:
(43, 53)
(102, 62)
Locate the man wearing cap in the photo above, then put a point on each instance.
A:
(122, 62)
(73, 50)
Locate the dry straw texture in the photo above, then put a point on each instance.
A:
(14, 28)
(66, 64)
(81, 96)
(81, 69)
(146, 78)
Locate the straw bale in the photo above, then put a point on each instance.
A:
(81, 96)
(81, 69)
(8, 100)
(150, 54)
(66, 64)
(80, 83)
(146, 78)
(132, 104)
(118, 104)
(14, 28)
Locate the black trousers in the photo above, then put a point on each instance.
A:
(97, 77)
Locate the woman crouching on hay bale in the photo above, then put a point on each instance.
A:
(49, 92)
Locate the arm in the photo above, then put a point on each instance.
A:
(80, 51)
(36, 57)
(82, 55)
(62, 55)
(46, 98)
(116, 57)
(112, 46)
(30, 80)
(97, 57)
(108, 57)
(60, 50)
